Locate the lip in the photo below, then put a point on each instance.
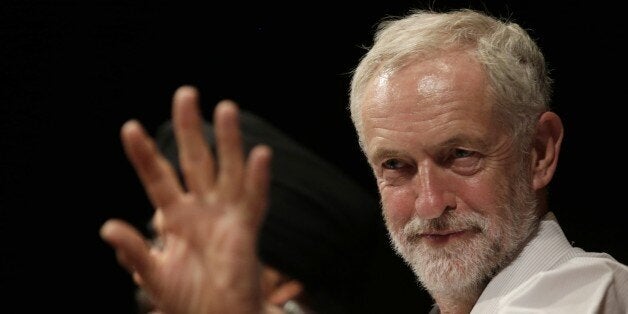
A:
(443, 237)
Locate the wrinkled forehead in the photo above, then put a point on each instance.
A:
(440, 79)
(428, 101)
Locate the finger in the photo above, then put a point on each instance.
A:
(257, 182)
(194, 155)
(229, 148)
(155, 172)
(130, 246)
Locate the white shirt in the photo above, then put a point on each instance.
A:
(551, 276)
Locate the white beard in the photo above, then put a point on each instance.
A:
(461, 269)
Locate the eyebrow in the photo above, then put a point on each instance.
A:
(382, 153)
(465, 140)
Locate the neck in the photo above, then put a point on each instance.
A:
(456, 305)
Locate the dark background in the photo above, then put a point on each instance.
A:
(73, 71)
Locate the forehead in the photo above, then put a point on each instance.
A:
(432, 98)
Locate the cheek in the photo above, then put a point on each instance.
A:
(398, 205)
(482, 195)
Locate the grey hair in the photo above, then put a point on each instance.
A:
(515, 66)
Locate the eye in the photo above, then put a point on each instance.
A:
(394, 172)
(392, 164)
(463, 161)
(461, 153)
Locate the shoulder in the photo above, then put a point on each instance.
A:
(592, 283)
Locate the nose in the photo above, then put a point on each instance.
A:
(432, 191)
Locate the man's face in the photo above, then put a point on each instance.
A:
(456, 194)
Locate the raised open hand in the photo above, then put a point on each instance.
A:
(208, 227)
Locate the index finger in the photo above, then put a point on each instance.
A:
(158, 177)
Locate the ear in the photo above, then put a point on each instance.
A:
(284, 291)
(549, 136)
(278, 288)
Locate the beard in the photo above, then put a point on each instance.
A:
(461, 269)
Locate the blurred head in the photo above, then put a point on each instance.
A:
(319, 228)
(451, 110)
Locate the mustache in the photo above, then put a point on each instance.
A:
(445, 223)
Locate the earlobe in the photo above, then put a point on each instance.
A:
(549, 136)
(287, 290)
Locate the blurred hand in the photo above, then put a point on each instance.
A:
(206, 262)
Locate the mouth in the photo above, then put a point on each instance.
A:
(438, 238)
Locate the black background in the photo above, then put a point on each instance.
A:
(73, 71)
